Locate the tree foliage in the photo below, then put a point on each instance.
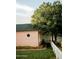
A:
(48, 17)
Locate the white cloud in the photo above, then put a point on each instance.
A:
(24, 7)
(23, 14)
(22, 20)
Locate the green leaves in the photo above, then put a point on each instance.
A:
(48, 16)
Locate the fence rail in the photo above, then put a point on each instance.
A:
(57, 51)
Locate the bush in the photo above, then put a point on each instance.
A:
(45, 44)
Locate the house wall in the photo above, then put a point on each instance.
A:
(23, 40)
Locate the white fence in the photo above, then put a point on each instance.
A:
(57, 51)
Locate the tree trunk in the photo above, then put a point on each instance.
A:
(52, 37)
(55, 37)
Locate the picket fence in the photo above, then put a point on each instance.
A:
(56, 51)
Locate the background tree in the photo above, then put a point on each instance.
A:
(48, 18)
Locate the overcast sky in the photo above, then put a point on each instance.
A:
(25, 9)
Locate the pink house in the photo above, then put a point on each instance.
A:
(27, 36)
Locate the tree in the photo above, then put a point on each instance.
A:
(58, 18)
(48, 18)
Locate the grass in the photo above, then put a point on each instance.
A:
(35, 54)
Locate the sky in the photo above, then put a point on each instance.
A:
(25, 9)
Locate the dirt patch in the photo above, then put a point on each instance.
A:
(29, 49)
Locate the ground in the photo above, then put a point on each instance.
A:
(35, 54)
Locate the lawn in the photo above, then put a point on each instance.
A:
(35, 54)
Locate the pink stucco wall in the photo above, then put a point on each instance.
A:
(23, 40)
